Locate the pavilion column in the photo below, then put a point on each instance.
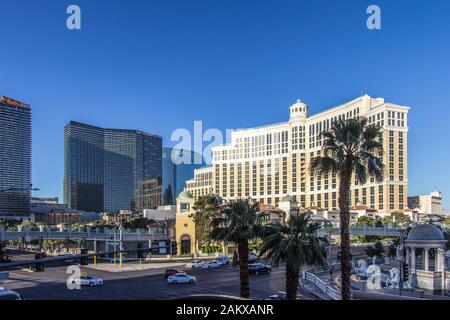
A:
(413, 258)
(426, 259)
(437, 260)
(407, 256)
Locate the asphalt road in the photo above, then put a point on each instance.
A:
(141, 285)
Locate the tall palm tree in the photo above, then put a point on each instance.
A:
(352, 146)
(239, 223)
(294, 243)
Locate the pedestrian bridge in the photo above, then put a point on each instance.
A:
(151, 234)
(365, 231)
(96, 234)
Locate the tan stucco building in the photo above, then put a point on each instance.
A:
(269, 162)
(184, 224)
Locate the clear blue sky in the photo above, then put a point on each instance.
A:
(160, 65)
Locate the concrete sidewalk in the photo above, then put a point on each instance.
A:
(133, 266)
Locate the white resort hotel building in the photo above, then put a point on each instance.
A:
(270, 162)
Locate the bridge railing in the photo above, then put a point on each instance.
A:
(324, 286)
(47, 232)
(365, 231)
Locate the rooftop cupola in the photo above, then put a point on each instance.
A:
(299, 110)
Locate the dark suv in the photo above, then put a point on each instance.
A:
(256, 268)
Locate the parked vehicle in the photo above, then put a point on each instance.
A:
(223, 260)
(212, 265)
(88, 281)
(195, 264)
(181, 278)
(6, 294)
(257, 268)
(171, 272)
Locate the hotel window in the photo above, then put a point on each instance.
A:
(247, 179)
(294, 172)
(232, 180)
(254, 178)
(380, 197)
(217, 167)
(224, 180)
(239, 179)
(372, 197)
(284, 175)
(333, 200)
(400, 197)
(391, 197)
(319, 200)
(277, 176)
(364, 191)
(261, 177)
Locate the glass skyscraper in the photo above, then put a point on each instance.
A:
(111, 169)
(15, 158)
(175, 174)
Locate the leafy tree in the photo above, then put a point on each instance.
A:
(239, 223)
(351, 147)
(138, 223)
(206, 208)
(294, 243)
(365, 220)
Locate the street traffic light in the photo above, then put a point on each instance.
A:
(405, 272)
(173, 248)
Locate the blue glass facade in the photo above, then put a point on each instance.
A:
(111, 169)
(15, 158)
(175, 174)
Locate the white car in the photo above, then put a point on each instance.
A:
(6, 294)
(88, 281)
(181, 278)
(195, 264)
(212, 265)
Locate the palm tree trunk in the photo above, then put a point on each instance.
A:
(291, 282)
(344, 190)
(243, 268)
